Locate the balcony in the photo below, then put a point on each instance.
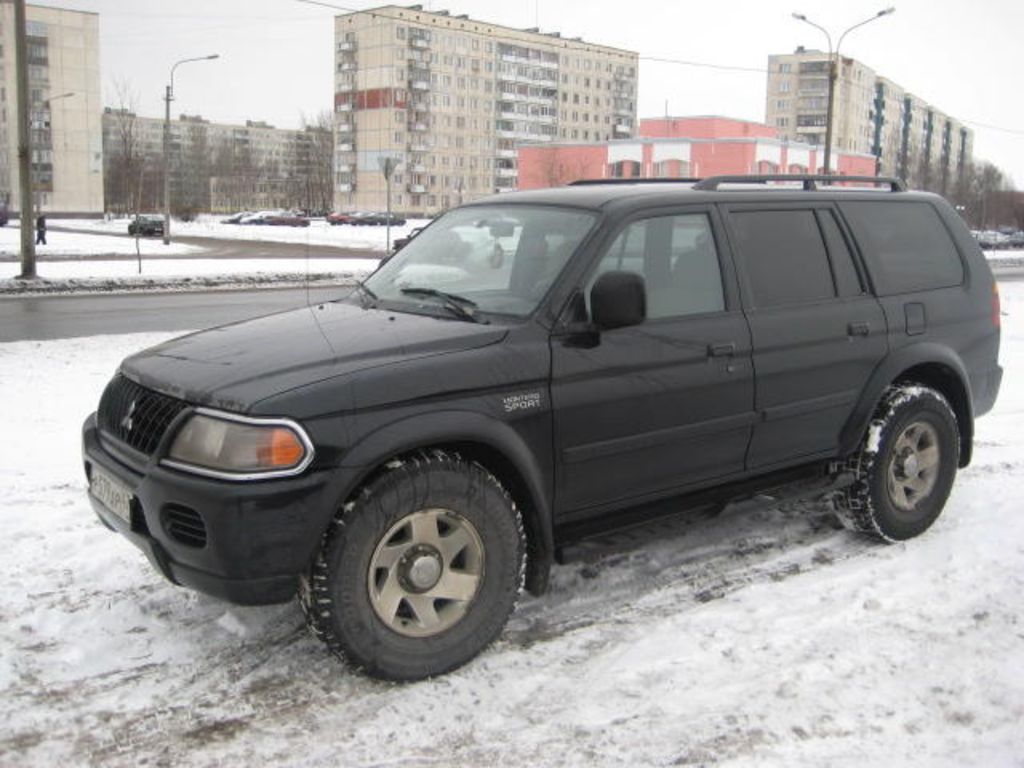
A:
(417, 168)
(419, 85)
(418, 146)
(417, 189)
(346, 187)
(345, 106)
(345, 127)
(346, 146)
(506, 173)
(506, 153)
(418, 127)
(348, 46)
(624, 129)
(345, 87)
(419, 42)
(348, 66)
(344, 168)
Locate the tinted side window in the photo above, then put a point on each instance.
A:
(784, 257)
(847, 279)
(906, 246)
(677, 258)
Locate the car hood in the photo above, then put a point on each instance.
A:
(236, 366)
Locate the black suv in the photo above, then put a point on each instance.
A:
(538, 366)
(146, 225)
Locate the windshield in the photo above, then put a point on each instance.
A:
(499, 258)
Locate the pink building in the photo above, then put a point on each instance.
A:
(680, 147)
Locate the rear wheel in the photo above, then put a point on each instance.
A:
(420, 572)
(905, 467)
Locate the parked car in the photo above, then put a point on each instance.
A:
(286, 219)
(146, 225)
(236, 218)
(258, 218)
(408, 457)
(334, 219)
(379, 219)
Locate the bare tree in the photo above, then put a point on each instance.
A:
(194, 190)
(315, 161)
(123, 186)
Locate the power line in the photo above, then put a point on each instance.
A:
(708, 65)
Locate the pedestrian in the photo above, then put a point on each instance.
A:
(41, 230)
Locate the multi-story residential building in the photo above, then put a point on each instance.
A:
(214, 166)
(679, 147)
(910, 138)
(64, 103)
(451, 99)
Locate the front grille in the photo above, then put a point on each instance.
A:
(184, 525)
(136, 416)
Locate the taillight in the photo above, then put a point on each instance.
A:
(995, 305)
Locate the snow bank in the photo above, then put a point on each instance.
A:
(185, 274)
(765, 636)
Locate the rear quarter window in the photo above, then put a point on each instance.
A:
(906, 246)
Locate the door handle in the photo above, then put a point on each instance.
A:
(721, 350)
(859, 328)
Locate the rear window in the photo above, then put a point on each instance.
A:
(906, 246)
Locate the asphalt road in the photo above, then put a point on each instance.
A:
(62, 317)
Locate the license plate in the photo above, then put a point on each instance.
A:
(111, 493)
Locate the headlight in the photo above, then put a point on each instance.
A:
(231, 447)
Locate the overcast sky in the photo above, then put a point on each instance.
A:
(277, 55)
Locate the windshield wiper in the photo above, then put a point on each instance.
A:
(459, 305)
(365, 291)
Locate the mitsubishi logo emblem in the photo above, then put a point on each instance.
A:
(129, 418)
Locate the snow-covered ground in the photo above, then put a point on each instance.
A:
(67, 244)
(319, 232)
(763, 636)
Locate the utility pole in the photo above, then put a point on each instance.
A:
(28, 247)
(168, 98)
(388, 165)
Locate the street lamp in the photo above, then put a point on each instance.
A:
(833, 73)
(168, 97)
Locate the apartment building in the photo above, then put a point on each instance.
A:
(451, 99)
(64, 94)
(680, 147)
(217, 167)
(909, 137)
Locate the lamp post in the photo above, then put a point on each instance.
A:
(833, 72)
(168, 97)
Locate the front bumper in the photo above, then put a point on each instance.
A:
(258, 536)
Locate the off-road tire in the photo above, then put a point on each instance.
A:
(887, 500)
(336, 594)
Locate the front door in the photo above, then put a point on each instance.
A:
(655, 408)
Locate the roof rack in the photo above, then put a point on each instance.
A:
(810, 181)
(637, 180)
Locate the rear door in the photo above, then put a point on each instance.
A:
(665, 404)
(817, 332)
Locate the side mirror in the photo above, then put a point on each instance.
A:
(618, 299)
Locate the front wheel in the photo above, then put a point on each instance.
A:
(420, 572)
(905, 467)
